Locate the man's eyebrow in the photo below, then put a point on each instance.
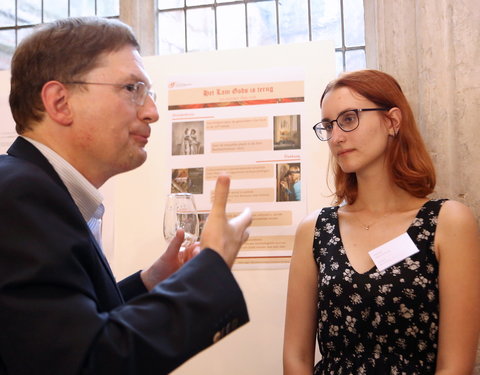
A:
(137, 78)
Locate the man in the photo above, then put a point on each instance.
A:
(82, 106)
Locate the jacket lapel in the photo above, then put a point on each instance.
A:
(23, 149)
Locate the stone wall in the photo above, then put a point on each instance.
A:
(432, 47)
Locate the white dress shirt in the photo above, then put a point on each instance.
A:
(86, 196)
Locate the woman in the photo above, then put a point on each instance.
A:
(419, 315)
(193, 142)
(186, 142)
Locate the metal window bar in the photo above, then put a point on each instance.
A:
(343, 49)
(342, 25)
(17, 27)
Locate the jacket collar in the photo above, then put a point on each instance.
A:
(23, 149)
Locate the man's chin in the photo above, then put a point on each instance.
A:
(141, 159)
(134, 161)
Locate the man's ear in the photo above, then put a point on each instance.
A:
(394, 116)
(56, 99)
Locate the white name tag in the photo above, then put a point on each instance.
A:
(393, 251)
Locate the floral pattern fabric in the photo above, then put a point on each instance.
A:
(377, 322)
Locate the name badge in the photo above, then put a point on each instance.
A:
(393, 251)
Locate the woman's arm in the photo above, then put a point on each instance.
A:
(458, 248)
(300, 322)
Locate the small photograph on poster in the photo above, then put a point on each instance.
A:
(286, 132)
(187, 180)
(288, 182)
(188, 138)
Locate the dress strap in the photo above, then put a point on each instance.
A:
(433, 206)
(422, 231)
(325, 229)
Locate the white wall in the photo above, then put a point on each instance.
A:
(7, 125)
(435, 58)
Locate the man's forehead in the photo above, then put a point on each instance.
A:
(125, 64)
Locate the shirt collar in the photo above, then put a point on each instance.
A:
(86, 196)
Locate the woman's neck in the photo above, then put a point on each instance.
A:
(378, 194)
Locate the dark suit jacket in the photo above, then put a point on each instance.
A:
(61, 311)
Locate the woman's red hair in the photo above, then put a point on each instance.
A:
(411, 166)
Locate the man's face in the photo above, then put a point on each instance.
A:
(111, 130)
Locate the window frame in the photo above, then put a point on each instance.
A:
(18, 27)
(342, 50)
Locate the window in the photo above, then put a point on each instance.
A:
(205, 25)
(18, 17)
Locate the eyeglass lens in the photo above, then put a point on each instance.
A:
(347, 121)
(140, 93)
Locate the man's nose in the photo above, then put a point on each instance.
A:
(148, 111)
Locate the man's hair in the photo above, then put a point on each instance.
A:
(411, 167)
(63, 50)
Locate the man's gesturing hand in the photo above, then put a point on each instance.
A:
(222, 235)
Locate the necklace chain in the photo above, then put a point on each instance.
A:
(368, 226)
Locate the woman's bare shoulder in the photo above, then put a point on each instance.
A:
(457, 229)
(456, 214)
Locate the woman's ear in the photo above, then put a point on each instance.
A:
(394, 116)
(56, 100)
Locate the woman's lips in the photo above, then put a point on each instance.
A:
(344, 152)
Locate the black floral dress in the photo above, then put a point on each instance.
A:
(377, 322)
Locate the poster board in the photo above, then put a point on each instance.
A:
(140, 194)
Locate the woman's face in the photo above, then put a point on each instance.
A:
(363, 148)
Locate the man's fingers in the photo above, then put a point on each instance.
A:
(190, 252)
(176, 242)
(246, 235)
(222, 188)
(243, 220)
(241, 223)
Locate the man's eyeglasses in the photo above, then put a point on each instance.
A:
(347, 121)
(138, 91)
